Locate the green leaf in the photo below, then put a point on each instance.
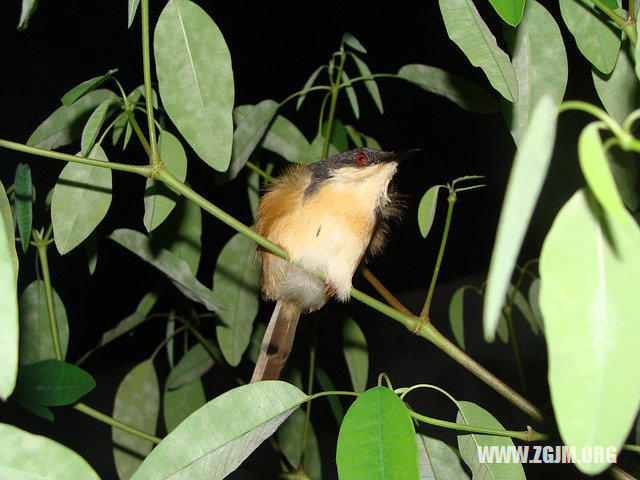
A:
(8, 300)
(534, 302)
(588, 270)
(253, 350)
(24, 203)
(327, 385)
(540, 63)
(126, 324)
(354, 136)
(37, 410)
(625, 172)
(285, 139)
(525, 182)
(464, 93)
(92, 127)
(27, 11)
(36, 341)
(195, 363)
(370, 85)
(509, 10)
(27, 456)
(456, 315)
(522, 305)
(180, 403)
(597, 38)
(8, 233)
(353, 42)
(159, 199)
(356, 354)
(308, 84)
(85, 87)
(228, 429)
(351, 95)
(51, 383)
(427, 210)
(290, 438)
(618, 91)
(467, 30)
(174, 268)
(91, 249)
(137, 403)
(371, 142)
(65, 125)
(377, 439)
(437, 460)
(468, 444)
(181, 233)
(131, 11)
(236, 281)
(249, 133)
(595, 168)
(81, 199)
(193, 65)
(338, 135)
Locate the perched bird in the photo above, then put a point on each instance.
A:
(327, 216)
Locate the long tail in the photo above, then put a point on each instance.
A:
(277, 342)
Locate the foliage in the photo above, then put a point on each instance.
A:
(584, 301)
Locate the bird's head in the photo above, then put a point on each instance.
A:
(357, 166)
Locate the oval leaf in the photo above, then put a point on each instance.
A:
(472, 414)
(378, 428)
(595, 168)
(28, 456)
(9, 301)
(51, 383)
(159, 199)
(589, 268)
(248, 134)
(356, 354)
(525, 182)
(228, 429)
(467, 29)
(27, 11)
(92, 127)
(438, 461)
(308, 83)
(173, 267)
(370, 85)
(236, 280)
(597, 39)
(193, 65)
(509, 10)
(456, 315)
(291, 439)
(81, 199)
(131, 11)
(351, 95)
(180, 403)
(618, 91)
(285, 139)
(24, 203)
(65, 125)
(427, 210)
(137, 403)
(85, 87)
(459, 90)
(195, 363)
(540, 63)
(181, 233)
(35, 327)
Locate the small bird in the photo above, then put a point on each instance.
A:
(327, 216)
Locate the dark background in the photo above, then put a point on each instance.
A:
(274, 48)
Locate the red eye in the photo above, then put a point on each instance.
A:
(361, 159)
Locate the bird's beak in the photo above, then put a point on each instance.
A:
(399, 156)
